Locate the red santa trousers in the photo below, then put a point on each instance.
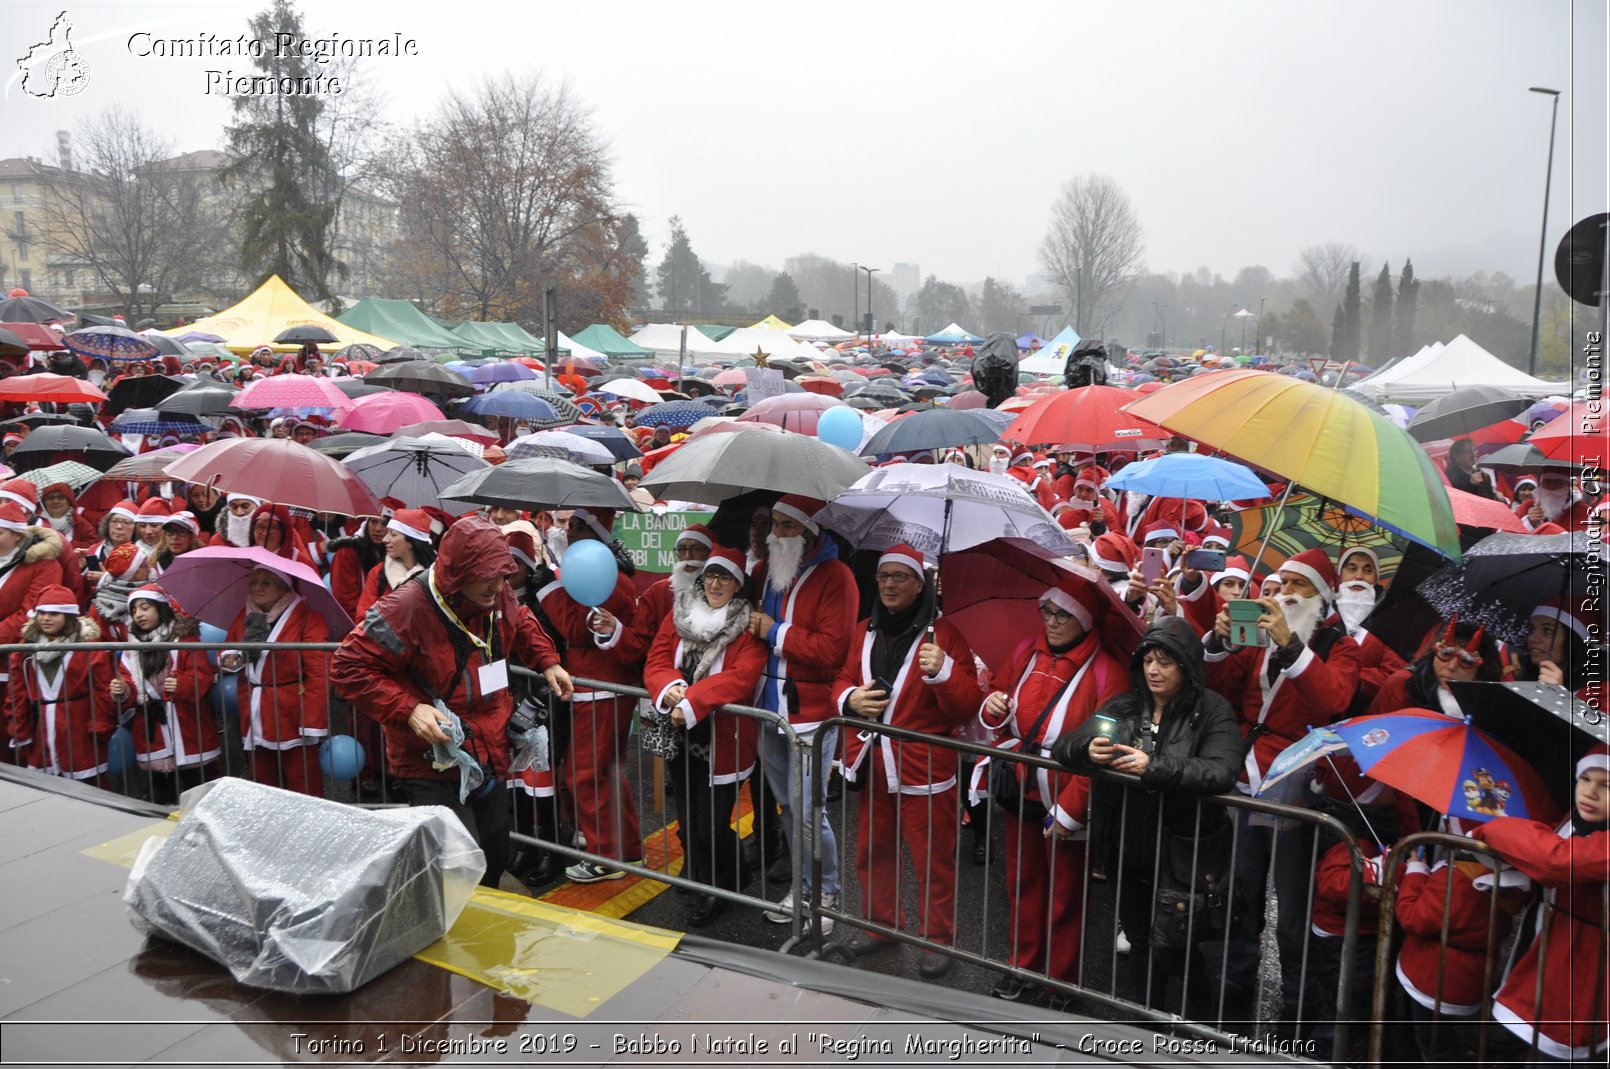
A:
(1046, 899)
(925, 823)
(596, 774)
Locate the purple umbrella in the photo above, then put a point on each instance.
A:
(210, 585)
(502, 371)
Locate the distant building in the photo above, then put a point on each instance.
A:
(905, 279)
(24, 234)
(1039, 284)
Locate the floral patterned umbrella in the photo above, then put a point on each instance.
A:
(110, 343)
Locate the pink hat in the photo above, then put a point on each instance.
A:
(1314, 565)
(801, 508)
(904, 555)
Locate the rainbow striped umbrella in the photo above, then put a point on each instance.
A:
(1329, 444)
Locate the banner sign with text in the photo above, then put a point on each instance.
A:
(651, 539)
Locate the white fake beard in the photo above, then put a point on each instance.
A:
(1135, 503)
(1355, 601)
(998, 465)
(1450, 704)
(1303, 615)
(96, 377)
(685, 574)
(1554, 503)
(239, 530)
(705, 623)
(558, 542)
(783, 561)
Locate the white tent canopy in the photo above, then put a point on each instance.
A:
(745, 340)
(1052, 357)
(665, 339)
(578, 350)
(818, 330)
(1435, 371)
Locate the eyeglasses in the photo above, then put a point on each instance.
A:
(894, 578)
(691, 551)
(1466, 658)
(1053, 615)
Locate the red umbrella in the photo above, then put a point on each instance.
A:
(796, 412)
(1579, 434)
(48, 387)
(278, 470)
(1086, 418)
(210, 585)
(35, 335)
(969, 399)
(822, 384)
(1472, 510)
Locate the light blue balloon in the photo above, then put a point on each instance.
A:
(588, 572)
(841, 427)
(341, 757)
(225, 697)
(120, 751)
(211, 633)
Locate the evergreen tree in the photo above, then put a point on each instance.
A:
(1403, 320)
(1381, 317)
(1352, 322)
(683, 281)
(783, 300)
(635, 250)
(1338, 333)
(282, 168)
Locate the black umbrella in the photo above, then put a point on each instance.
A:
(32, 310)
(540, 483)
(211, 400)
(423, 377)
(1536, 720)
(356, 388)
(359, 351)
(304, 334)
(51, 445)
(11, 345)
(401, 355)
(940, 428)
(695, 387)
(341, 445)
(1505, 576)
(865, 403)
(39, 419)
(718, 466)
(139, 391)
(1523, 456)
(1464, 412)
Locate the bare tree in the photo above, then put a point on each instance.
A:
(143, 227)
(497, 186)
(1092, 247)
(355, 134)
(1321, 272)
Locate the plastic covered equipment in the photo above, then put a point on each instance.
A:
(299, 894)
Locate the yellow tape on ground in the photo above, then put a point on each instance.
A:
(125, 848)
(565, 960)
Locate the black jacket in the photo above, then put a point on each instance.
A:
(1197, 751)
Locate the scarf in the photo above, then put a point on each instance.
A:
(153, 663)
(259, 624)
(705, 633)
(894, 633)
(397, 573)
(63, 524)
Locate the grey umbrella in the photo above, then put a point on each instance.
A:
(417, 376)
(1465, 412)
(718, 466)
(539, 483)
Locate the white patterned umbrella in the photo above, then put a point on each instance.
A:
(415, 471)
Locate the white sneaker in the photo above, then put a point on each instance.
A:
(1122, 943)
(786, 906)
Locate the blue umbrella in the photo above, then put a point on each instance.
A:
(1191, 475)
(512, 404)
(613, 439)
(157, 426)
(678, 415)
(502, 371)
(110, 343)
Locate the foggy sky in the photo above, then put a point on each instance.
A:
(940, 132)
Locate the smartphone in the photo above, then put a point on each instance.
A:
(883, 684)
(1244, 630)
(1153, 563)
(1106, 726)
(1206, 560)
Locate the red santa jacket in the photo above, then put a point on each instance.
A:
(1377, 662)
(653, 609)
(811, 638)
(37, 564)
(935, 705)
(1331, 881)
(347, 574)
(284, 695)
(1575, 518)
(62, 725)
(1032, 681)
(584, 658)
(1313, 690)
(180, 727)
(1425, 906)
(1576, 990)
(404, 640)
(730, 680)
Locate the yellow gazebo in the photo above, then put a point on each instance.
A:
(274, 307)
(770, 323)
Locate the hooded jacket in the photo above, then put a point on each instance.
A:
(37, 565)
(1197, 751)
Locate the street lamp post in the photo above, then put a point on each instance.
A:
(855, 303)
(1225, 327)
(1542, 239)
(870, 271)
(1257, 342)
(1162, 322)
(1244, 315)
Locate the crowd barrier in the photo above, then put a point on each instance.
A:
(630, 788)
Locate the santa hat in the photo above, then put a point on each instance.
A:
(1158, 529)
(56, 598)
(1572, 612)
(1080, 602)
(601, 520)
(1375, 560)
(1314, 565)
(1263, 581)
(124, 561)
(1023, 457)
(1598, 757)
(186, 519)
(1215, 535)
(1526, 480)
(12, 518)
(1234, 568)
(154, 508)
(1113, 552)
(521, 537)
(728, 560)
(12, 438)
(699, 533)
(410, 523)
(903, 555)
(1003, 450)
(23, 492)
(150, 592)
(801, 508)
(1043, 464)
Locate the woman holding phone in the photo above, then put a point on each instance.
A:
(1183, 742)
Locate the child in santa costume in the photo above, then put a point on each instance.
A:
(61, 711)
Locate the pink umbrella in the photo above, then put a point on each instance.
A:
(291, 391)
(452, 428)
(731, 377)
(1472, 510)
(382, 413)
(278, 470)
(210, 585)
(791, 411)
